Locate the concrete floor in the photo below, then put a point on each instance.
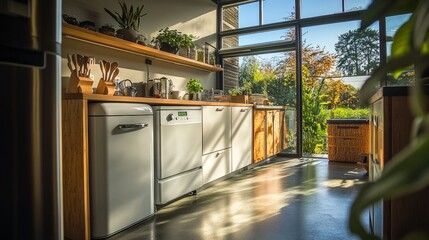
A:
(286, 199)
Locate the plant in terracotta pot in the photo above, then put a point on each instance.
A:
(239, 95)
(129, 20)
(194, 86)
(170, 40)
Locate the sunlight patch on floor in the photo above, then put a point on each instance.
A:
(342, 183)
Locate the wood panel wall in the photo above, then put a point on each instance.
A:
(75, 169)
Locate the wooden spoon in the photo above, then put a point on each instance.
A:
(113, 67)
(114, 74)
(74, 60)
(103, 70)
(80, 62)
(107, 68)
(70, 63)
(85, 66)
(91, 62)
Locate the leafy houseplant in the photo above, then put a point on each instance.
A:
(194, 87)
(170, 40)
(239, 95)
(128, 20)
(235, 92)
(408, 171)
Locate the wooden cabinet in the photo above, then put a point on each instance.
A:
(347, 139)
(267, 133)
(76, 195)
(258, 135)
(241, 122)
(390, 128)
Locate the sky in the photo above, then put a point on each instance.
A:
(323, 35)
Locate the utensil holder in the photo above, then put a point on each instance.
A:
(79, 84)
(106, 88)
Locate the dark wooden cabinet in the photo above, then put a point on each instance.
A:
(390, 129)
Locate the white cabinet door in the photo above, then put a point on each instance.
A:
(216, 165)
(216, 128)
(241, 137)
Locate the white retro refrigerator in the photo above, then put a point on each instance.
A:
(30, 176)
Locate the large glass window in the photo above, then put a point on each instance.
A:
(250, 14)
(336, 61)
(275, 11)
(354, 5)
(241, 15)
(273, 36)
(270, 76)
(315, 8)
(392, 25)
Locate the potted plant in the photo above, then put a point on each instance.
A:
(239, 95)
(194, 87)
(187, 45)
(170, 40)
(128, 20)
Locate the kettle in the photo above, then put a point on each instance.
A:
(125, 88)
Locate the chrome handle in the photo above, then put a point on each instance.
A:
(133, 126)
(219, 109)
(243, 110)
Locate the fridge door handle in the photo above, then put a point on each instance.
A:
(133, 126)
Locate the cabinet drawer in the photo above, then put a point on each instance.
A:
(216, 165)
(216, 128)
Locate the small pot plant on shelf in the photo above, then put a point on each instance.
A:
(240, 94)
(171, 40)
(194, 87)
(129, 21)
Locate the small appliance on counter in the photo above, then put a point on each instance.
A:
(125, 88)
(212, 95)
(159, 88)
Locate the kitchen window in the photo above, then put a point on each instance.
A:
(235, 14)
(327, 7)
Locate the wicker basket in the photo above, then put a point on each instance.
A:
(347, 139)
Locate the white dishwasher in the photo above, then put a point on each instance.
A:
(178, 151)
(120, 165)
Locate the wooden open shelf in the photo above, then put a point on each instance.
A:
(78, 33)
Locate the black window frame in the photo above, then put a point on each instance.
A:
(298, 23)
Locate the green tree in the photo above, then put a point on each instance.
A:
(338, 94)
(250, 71)
(358, 52)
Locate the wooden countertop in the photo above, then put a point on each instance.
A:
(347, 121)
(268, 107)
(394, 91)
(150, 101)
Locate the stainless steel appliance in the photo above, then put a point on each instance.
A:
(121, 166)
(178, 151)
(30, 46)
